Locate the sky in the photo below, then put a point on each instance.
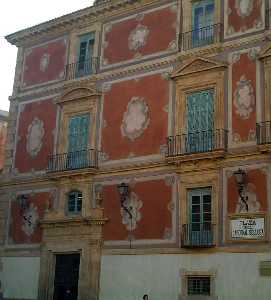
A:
(20, 14)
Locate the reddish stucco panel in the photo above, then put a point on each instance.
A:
(256, 177)
(46, 112)
(17, 235)
(162, 31)
(155, 91)
(3, 136)
(34, 74)
(156, 216)
(244, 23)
(244, 128)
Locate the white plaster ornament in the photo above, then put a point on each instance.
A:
(136, 118)
(34, 138)
(30, 220)
(138, 37)
(244, 99)
(250, 203)
(44, 62)
(244, 8)
(133, 204)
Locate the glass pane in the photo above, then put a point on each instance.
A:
(206, 198)
(207, 217)
(71, 206)
(207, 207)
(195, 218)
(79, 205)
(199, 285)
(195, 209)
(195, 200)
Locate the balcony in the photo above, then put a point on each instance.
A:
(263, 133)
(82, 68)
(196, 145)
(84, 159)
(197, 235)
(201, 37)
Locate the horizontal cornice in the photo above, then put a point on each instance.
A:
(65, 23)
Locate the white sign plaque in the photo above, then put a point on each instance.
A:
(247, 228)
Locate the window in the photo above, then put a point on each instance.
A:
(200, 121)
(78, 141)
(199, 232)
(199, 285)
(75, 202)
(202, 23)
(85, 65)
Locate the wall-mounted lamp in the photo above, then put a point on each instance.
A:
(124, 192)
(240, 176)
(23, 200)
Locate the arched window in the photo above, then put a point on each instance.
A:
(75, 202)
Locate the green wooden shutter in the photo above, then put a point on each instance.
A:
(78, 133)
(78, 141)
(200, 121)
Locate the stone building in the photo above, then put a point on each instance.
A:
(3, 134)
(138, 154)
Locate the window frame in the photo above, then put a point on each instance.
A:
(187, 20)
(199, 293)
(75, 212)
(185, 274)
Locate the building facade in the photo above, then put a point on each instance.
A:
(3, 135)
(138, 154)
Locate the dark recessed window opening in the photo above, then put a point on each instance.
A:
(75, 202)
(199, 285)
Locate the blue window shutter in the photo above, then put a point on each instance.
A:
(200, 111)
(79, 133)
(203, 14)
(85, 54)
(202, 19)
(200, 121)
(86, 45)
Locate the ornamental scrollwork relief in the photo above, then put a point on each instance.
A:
(136, 118)
(133, 204)
(30, 220)
(244, 8)
(252, 203)
(35, 135)
(244, 98)
(138, 37)
(44, 62)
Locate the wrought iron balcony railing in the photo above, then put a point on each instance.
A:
(263, 133)
(73, 160)
(198, 235)
(201, 37)
(82, 68)
(197, 142)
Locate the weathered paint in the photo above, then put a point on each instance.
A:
(131, 276)
(160, 26)
(114, 143)
(44, 63)
(257, 179)
(243, 16)
(153, 218)
(244, 97)
(20, 277)
(20, 232)
(3, 136)
(45, 111)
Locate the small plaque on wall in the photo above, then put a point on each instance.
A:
(246, 228)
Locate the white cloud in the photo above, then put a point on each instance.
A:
(17, 15)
